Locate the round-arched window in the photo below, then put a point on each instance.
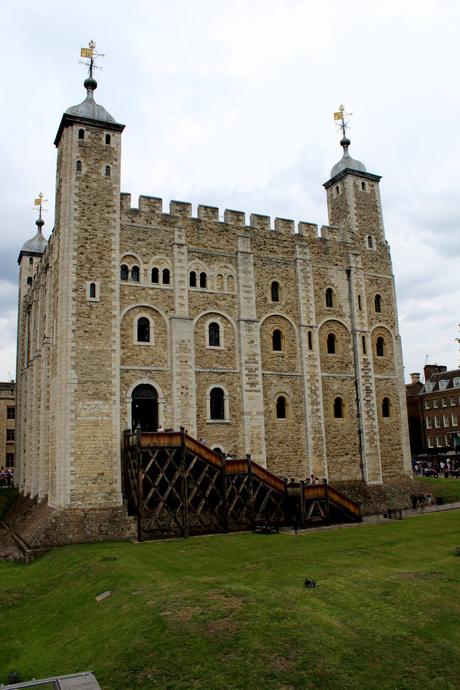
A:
(378, 303)
(329, 297)
(155, 275)
(281, 407)
(135, 273)
(277, 340)
(386, 405)
(192, 279)
(217, 403)
(143, 330)
(380, 347)
(124, 272)
(331, 344)
(214, 334)
(275, 291)
(338, 408)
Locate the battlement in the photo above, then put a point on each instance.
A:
(150, 207)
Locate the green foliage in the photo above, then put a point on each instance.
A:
(7, 498)
(231, 611)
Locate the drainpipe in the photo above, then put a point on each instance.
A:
(357, 376)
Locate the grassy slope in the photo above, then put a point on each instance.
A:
(232, 612)
(448, 488)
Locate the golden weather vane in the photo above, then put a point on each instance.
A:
(39, 201)
(339, 117)
(90, 55)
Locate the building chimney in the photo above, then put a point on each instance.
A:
(415, 377)
(430, 369)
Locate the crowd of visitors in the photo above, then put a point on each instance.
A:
(6, 477)
(436, 467)
(421, 500)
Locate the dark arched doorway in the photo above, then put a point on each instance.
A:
(144, 408)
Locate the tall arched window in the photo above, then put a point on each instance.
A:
(331, 344)
(155, 275)
(338, 408)
(281, 407)
(329, 297)
(135, 274)
(124, 272)
(380, 347)
(275, 291)
(81, 133)
(370, 242)
(78, 167)
(166, 276)
(107, 139)
(92, 290)
(214, 334)
(202, 279)
(378, 303)
(143, 330)
(107, 171)
(192, 279)
(277, 340)
(364, 344)
(386, 407)
(217, 404)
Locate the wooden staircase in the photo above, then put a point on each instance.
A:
(177, 486)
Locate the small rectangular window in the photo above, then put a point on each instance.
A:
(310, 341)
(435, 403)
(453, 402)
(428, 422)
(437, 422)
(430, 442)
(443, 384)
(444, 402)
(10, 459)
(10, 434)
(427, 405)
(445, 420)
(11, 413)
(454, 419)
(439, 441)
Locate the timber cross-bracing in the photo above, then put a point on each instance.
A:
(177, 486)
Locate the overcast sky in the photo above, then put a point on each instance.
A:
(230, 103)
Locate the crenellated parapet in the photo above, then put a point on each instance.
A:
(151, 209)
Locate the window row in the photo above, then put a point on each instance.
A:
(434, 403)
(440, 441)
(330, 299)
(435, 422)
(107, 137)
(107, 170)
(332, 345)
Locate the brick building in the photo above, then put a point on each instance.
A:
(259, 336)
(434, 411)
(7, 423)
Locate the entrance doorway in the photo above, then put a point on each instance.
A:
(144, 408)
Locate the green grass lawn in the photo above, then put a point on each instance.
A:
(231, 611)
(448, 488)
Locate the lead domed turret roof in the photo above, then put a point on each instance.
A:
(89, 108)
(37, 244)
(347, 162)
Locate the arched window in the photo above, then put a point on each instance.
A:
(92, 290)
(135, 274)
(202, 279)
(78, 167)
(329, 297)
(359, 303)
(166, 276)
(107, 139)
(81, 133)
(364, 344)
(124, 272)
(386, 407)
(310, 341)
(277, 340)
(155, 275)
(230, 283)
(143, 330)
(29, 281)
(378, 303)
(363, 186)
(338, 408)
(107, 171)
(380, 347)
(192, 279)
(281, 407)
(275, 291)
(331, 344)
(216, 404)
(220, 282)
(370, 242)
(214, 334)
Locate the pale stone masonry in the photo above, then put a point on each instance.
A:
(259, 336)
(7, 423)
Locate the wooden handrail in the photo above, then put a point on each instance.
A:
(343, 501)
